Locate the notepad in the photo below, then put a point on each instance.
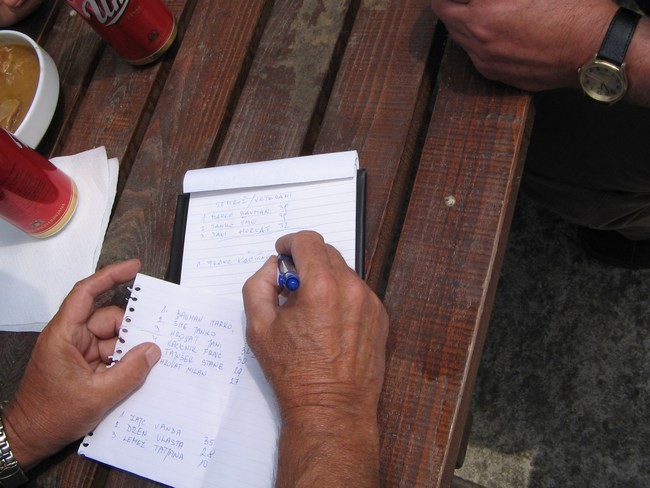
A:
(229, 217)
(206, 416)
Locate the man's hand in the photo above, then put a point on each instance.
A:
(530, 44)
(12, 11)
(67, 387)
(323, 351)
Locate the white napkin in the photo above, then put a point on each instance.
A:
(37, 274)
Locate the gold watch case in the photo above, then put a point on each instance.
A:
(602, 80)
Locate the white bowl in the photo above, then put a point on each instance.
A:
(40, 113)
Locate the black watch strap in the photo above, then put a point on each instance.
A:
(618, 37)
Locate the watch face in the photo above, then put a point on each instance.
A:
(603, 81)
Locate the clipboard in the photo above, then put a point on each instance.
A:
(225, 179)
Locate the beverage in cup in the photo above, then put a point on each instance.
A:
(35, 195)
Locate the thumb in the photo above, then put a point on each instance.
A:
(129, 373)
(260, 294)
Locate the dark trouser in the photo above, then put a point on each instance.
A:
(590, 163)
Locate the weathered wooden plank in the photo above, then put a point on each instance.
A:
(15, 349)
(446, 268)
(119, 101)
(75, 48)
(183, 129)
(285, 85)
(377, 107)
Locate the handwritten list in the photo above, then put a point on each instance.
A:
(232, 231)
(205, 417)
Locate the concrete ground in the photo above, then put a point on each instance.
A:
(563, 392)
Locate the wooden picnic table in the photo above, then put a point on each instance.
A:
(253, 80)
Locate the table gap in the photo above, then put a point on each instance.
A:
(240, 83)
(316, 121)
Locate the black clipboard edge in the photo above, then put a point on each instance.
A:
(362, 177)
(178, 239)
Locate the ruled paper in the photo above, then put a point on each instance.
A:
(236, 213)
(205, 417)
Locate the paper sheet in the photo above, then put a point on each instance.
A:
(205, 417)
(231, 232)
(37, 274)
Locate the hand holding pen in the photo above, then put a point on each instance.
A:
(323, 353)
(287, 274)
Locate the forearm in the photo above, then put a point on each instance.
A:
(317, 451)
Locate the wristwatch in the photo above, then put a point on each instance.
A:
(603, 77)
(11, 475)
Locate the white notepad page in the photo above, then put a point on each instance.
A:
(236, 213)
(205, 416)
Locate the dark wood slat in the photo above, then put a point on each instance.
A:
(445, 272)
(75, 48)
(283, 89)
(119, 101)
(178, 138)
(15, 349)
(377, 107)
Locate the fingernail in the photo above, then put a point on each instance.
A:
(152, 355)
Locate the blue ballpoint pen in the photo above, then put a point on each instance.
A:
(287, 275)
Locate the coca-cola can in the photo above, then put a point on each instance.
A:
(35, 195)
(139, 30)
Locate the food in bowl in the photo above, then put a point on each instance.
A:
(44, 100)
(19, 72)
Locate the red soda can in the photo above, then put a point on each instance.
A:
(35, 195)
(139, 30)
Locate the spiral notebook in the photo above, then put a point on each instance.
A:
(206, 416)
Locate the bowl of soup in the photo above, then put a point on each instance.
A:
(29, 87)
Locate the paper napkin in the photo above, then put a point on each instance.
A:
(37, 274)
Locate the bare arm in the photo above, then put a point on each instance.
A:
(536, 45)
(323, 352)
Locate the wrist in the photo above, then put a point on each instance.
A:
(331, 421)
(11, 473)
(585, 38)
(17, 427)
(322, 447)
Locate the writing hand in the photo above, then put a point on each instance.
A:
(67, 387)
(323, 351)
